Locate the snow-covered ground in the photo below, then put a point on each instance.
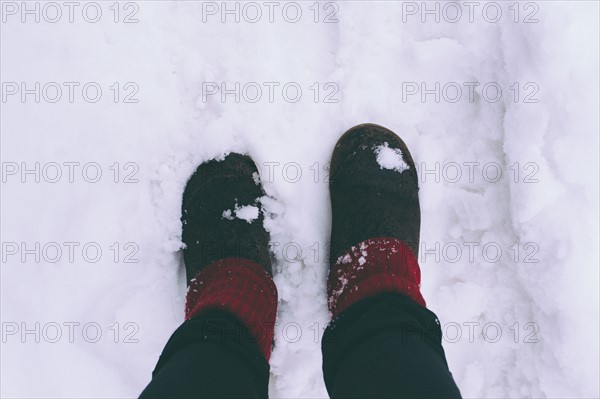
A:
(498, 103)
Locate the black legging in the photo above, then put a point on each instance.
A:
(384, 346)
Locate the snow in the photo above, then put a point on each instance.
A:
(228, 214)
(256, 178)
(248, 213)
(516, 251)
(390, 158)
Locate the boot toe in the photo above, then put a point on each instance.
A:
(369, 154)
(374, 189)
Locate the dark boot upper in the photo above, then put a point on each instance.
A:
(222, 215)
(374, 190)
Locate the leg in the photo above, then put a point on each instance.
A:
(210, 356)
(383, 341)
(386, 346)
(223, 347)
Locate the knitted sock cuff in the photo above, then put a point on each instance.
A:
(242, 288)
(371, 267)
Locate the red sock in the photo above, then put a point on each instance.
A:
(242, 288)
(372, 267)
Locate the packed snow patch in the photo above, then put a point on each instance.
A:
(228, 214)
(249, 213)
(390, 158)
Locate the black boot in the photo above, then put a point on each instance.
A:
(222, 215)
(374, 190)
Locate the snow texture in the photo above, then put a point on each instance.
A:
(249, 213)
(390, 158)
(508, 175)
